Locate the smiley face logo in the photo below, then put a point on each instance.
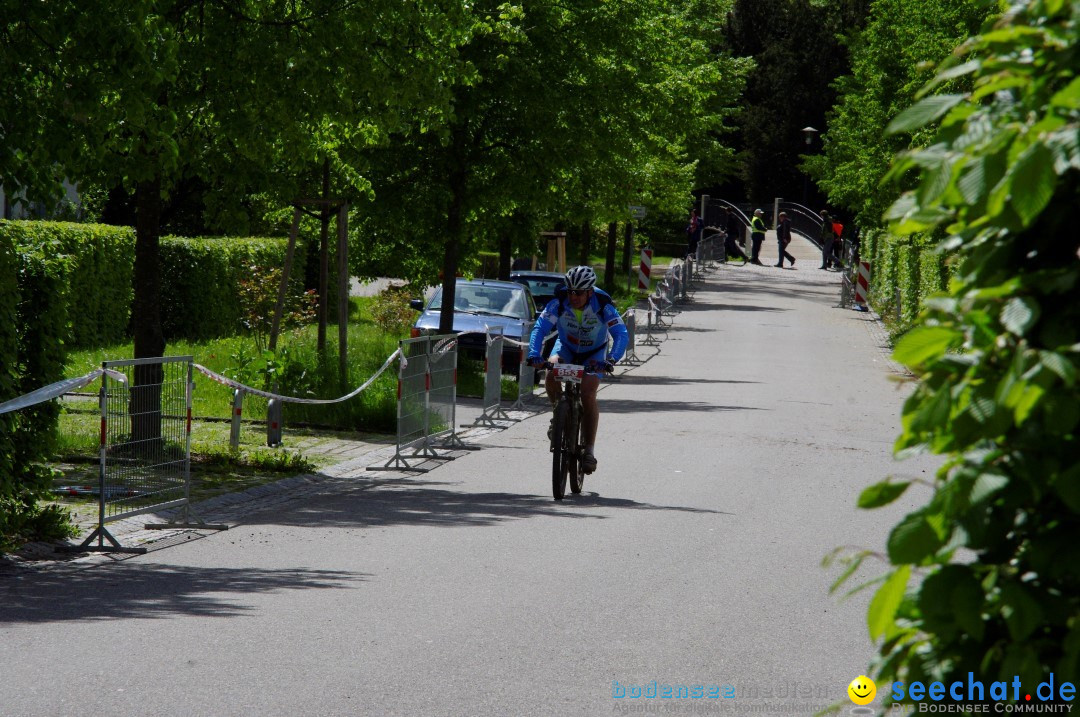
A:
(862, 690)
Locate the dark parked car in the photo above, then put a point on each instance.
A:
(542, 284)
(479, 303)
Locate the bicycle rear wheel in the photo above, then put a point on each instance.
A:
(577, 474)
(560, 455)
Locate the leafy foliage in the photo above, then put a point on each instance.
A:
(997, 359)
(34, 316)
(890, 61)
(203, 283)
(391, 311)
(561, 113)
(798, 51)
(258, 294)
(97, 281)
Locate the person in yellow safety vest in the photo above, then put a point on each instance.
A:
(757, 235)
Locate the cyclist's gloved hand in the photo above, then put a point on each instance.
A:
(600, 366)
(537, 362)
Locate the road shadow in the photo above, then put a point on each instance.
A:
(633, 380)
(371, 506)
(682, 329)
(590, 498)
(716, 306)
(610, 405)
(136, 589)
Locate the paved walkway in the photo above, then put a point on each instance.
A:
(730, 462)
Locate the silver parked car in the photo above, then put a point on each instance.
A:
(481, 303)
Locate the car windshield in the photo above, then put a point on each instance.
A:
(491, 300)
(543, 287)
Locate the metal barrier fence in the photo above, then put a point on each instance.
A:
(413, 412)
(145, 454)
(630, 319)
(526, 373)
(442, 394)
(850, 274)
(492, 410)
(651, 319)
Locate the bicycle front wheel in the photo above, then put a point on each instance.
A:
(560, 449)
(577, 473)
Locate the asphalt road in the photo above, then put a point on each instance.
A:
(729, 466)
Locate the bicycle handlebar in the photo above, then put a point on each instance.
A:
(562, 369)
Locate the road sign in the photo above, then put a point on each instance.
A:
(638, 212)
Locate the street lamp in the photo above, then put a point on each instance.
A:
(809, 133)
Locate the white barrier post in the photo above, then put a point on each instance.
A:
(237, 411)
(273, 422)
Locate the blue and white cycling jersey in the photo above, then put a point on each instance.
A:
(582, 335)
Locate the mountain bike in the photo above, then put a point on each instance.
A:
(566, 432)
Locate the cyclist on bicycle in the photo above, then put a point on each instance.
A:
(585, 317)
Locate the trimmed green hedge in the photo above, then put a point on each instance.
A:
(200, 280)
(97, 282)
(907, 264)
(34, 314)
(9, 360)
(199, 283)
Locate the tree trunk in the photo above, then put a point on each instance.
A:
(505, 248)
(454, 225)
(609, 260)
(586, 242)
(145, 397)
(324, 258)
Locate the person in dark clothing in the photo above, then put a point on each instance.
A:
(693, 233)
(783, 238)
(828, 238)
(757, 235)
(732, 229)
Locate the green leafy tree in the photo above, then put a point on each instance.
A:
(561, 113)
(986, 575)
(890, 61)
(146, 94)
(798, 51)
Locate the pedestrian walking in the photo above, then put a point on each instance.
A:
(733, 229)
(757, 235)
(783, 238)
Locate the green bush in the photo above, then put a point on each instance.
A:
(391, 311)
(98, 279)
(933, 272)
(9, 359)
(201, 280)
(34, 316)
(883, 281)
(907, 280)
(985, 576)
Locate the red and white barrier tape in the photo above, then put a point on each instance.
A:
(55, 390)
(226, 381)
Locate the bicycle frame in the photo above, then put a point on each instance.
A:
(566, 444)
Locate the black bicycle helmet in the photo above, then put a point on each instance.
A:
(581, 277)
